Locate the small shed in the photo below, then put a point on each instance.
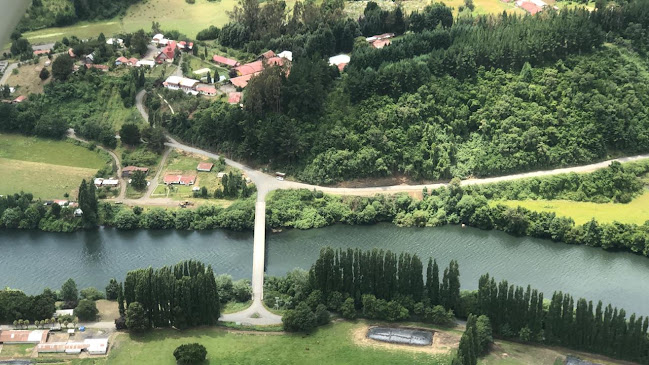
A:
(205, 166)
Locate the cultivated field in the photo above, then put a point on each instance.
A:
(45, 168)
(581, 212)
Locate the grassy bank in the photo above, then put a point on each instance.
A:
(45, 168)
(637, 211)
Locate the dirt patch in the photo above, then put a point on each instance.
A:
(108, 310)
(443, 341)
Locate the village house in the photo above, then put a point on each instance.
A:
(181, 83)
(171, 179)
(223, 61)
(185, 46)
(102, 68)
(380, 41)
(167, 54)
(234, 97)
(94, 346)
(19, 99)
(339, 61)
(115, 41)
(247, 71)
(128, 170)
(126, 61)
(206, 90)
(39, 52)
(205, 166)
(147, 63)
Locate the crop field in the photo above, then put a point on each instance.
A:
(45, 168)
(637, 211)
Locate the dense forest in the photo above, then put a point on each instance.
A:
(472, 96)
(50, 13)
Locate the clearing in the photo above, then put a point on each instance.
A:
(45, 168)
(581, 212)
(27, 81)
(183, 163)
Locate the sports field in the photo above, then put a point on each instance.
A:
(45, 168)
(581, 212)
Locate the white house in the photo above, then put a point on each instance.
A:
(98, 346)
(149, 63)
(286, 54)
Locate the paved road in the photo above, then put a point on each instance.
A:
(5, 76)
(266, 183)
(123, 182)
(140, 106)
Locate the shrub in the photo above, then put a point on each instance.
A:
(91, 294)
(191, 353)
(86, 310)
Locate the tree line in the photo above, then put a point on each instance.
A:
(181, 296)
(520, 313)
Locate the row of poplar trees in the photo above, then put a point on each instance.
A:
(518, 312)
(184, 295)
(386, 276)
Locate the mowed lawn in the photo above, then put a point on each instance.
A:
(45, 168)
(332, 344)
(581, 212)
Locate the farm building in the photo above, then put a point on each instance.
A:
(225, 61)
(205, 166)
(128, 170)
(115, 41)
(97, 346)
(170, 179)
(286, 54)
(63, 312)
(94, 346)
(381, 40)
(247, 71)
(22, 337)
(267, 55)
(39, 52)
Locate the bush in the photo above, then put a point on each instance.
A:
(135, 319)
(91, 294)
(86, 310)
(348, 309)
(299, 319)
(191, 353)
(322, 315)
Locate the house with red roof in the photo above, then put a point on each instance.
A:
(182, 45)
(170, 179)
(121, 61)
(205, 166)
(39, 52)
(71, 53)
(206, 89)
(267, 55)
(242, 81)
(225, 61)
(132, 61)
(167, 54)
(19, 99)
(249, 68)
(102, 68)
(234, 98)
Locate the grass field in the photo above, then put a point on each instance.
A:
(185, 164)
(45, 168)
(27, 80)
(22, 350)
(189, 19)
(329, 345)
(635, 212)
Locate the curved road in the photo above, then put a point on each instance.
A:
(123, 182)
(257, 313)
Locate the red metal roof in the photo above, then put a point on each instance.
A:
(268, 54)
(122, 59)
(381, 43)
(206, 89)
(530, 7)
(133, 60)
(20, 99)
(250, 68)
(41, 51)
(234, 98)
(242, 81)
(225, 61)
(187, 180)
(179, 179)
(204, 166)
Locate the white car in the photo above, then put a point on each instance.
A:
(280, 178)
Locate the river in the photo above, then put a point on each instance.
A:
(33, 260)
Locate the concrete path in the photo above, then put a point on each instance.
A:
(5, 76)
(154, 182)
